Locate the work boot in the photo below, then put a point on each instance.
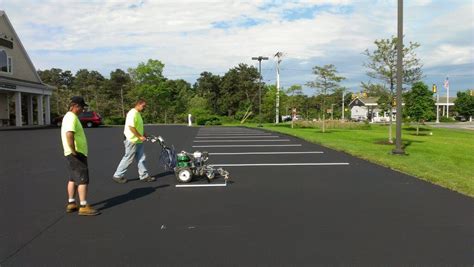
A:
(88, 211)
(148, 179)
(120, 180)
(71, 207)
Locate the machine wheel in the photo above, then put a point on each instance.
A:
(184, 175)
(89, 124)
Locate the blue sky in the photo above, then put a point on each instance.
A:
(215, 35)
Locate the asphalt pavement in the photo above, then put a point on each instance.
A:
(289, 203)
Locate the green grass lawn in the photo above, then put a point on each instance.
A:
(445, 158)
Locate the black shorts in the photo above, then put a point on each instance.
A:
(78, 170)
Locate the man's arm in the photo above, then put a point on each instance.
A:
(135, 132)
(70, 142)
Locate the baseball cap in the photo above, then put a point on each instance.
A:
(78, 100)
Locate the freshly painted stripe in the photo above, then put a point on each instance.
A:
(200, 185)
(227, 141)
(246, 145)
(267, 153)
(225, 134)
(236, 136)
(280, 164)
(255, 134)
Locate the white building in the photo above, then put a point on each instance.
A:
(366, 108)
(442, 104)
(21, 90)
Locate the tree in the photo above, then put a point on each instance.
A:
(239, 87)
(149, 84)
(384, 104)
(62, 80)
(149, 73)
(326, 81)
(374, 90)
(269, 102)
(208, 87)
(117, 87)
(464, 104)
(295, 97)
(382, 66)
(89, 84)
(419, 104)
(177, 95)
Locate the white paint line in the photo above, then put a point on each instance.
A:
(268, 153)
(226, 134)
(280, 164)
(241, 131)
(245, 145)
(236, 136)
(229, 141)
(200, 185)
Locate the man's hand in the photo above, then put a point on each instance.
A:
(135, 132)
(70, 142)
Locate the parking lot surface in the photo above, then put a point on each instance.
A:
(289, 202)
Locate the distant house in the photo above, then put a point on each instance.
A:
(20, 84)
(366, 108)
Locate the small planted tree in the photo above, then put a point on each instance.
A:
(419, 104)
(382, 65)
(384, 104)
(326, 81)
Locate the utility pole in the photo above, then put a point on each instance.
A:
(260, 58)
(398, 141)
(277, 105)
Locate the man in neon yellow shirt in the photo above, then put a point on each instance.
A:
(75, 149)
(134, 149)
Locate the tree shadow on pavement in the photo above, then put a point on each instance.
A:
(131, 195)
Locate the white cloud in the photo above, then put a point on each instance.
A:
(451, 55)
(181, 32)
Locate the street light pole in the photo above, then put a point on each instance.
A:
(260, 58)
(398, 141)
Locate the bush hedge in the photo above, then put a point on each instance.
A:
(114, 120)
(208, 120)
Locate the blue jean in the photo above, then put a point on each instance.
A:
(132, 151)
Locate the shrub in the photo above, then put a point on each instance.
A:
(332, 124)
(114, 120)
(444, 119)
(208, 120)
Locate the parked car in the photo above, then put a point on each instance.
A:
(87, 118)
(460, 118)
(288, 118)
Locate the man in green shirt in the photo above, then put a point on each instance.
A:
(75, 150)
(134, 149)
